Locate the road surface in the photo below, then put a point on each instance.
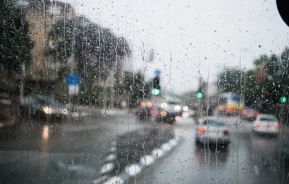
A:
(120, 148)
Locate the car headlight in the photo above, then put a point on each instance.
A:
(163, 105)
(149, 104)
(47, 110)
(163, 113)
(64, 111)
(143, 104)
(185, 108)
(177, 108)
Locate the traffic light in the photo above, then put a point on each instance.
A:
(156, 83)
(199, 94)
(156, 86)
(283, 99)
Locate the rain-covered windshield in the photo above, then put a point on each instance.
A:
(144, 91)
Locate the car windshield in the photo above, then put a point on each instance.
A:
(43, 100)
(144, 91)
(236, 99)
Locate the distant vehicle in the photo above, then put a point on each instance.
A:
(8, 113)
(42, 106)
(266, 123)
(169, 111)
(5, 99)
(7, 120)
(212, 130)
(249, 113)
(143, 111)
(230, 104)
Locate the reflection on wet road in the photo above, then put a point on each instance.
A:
(96, 150)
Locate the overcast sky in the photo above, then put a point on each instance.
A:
(200, 36)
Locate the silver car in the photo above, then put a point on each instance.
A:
(212, 130)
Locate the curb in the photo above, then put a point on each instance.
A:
(134, 169)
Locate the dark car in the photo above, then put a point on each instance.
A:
(168, 111)
(7, 120)
(143, 111)
(42, 106)
(5, 99)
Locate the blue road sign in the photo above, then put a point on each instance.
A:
(157, 72)
(72, 79)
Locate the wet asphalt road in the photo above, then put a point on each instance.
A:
(82, 150)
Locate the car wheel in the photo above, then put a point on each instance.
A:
(198, 142)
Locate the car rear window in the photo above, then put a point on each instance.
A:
(267, 119)
(213, 123)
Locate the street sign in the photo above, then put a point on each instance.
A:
(73, 82)
(73, 90)
(157, 72)
(72, 79)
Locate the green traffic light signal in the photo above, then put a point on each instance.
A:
(283, 99)
(199, 94)
(156, 92)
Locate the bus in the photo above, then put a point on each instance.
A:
(230, 103)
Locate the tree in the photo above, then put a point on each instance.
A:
(97, 50)
(231, 80)
(136, 87)
(15, 43)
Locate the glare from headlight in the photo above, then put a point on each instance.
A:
(47, 110)
(177, 108)
(163, 105)
(149, 104)
(64, 111)
(185, 108)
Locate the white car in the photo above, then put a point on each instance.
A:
(266, 123)
(212, 130)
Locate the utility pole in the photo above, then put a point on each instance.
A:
(22, 81)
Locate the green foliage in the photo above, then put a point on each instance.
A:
(135, 87)
(15, 43)
(230, 80)
(96, 49)
(274, 85)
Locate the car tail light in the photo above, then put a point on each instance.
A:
(277, 125)
(226, 132)
(257, 113)
(244, 113)
(258, 124)
(201, 130)
(228, 109)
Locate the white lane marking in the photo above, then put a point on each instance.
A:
(114, 180)
(113, 143)
(106, 168)
(157, 152)
(133, 169)
(77, 167)
(110, 157)
(166, 147)
(100, 179)
(75, 114)
(112, 149)
(147, 160)
(173, 142)
(256, 169)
